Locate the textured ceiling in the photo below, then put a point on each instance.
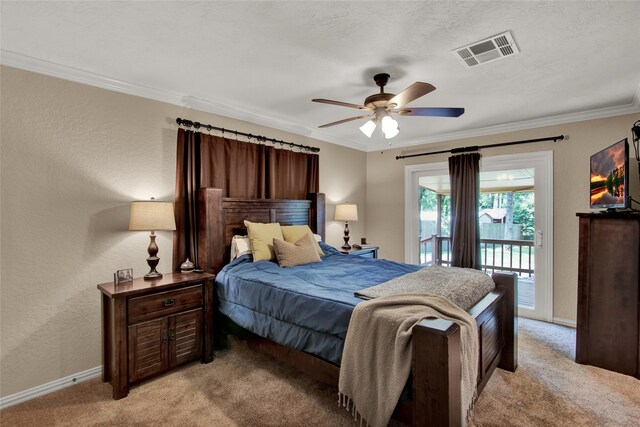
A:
(265, 61)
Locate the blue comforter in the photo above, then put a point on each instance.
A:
(305, 307)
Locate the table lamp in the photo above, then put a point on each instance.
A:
(346, 212)
(152, 216)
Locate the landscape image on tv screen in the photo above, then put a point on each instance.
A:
(607, 176)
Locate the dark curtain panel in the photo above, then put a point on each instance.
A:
(241, 169)
(291, 175)
(464, 173)
(237, 167)
(186, 203)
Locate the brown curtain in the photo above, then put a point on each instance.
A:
(238, 167)
(291, 175)
(186, 203)
(241, 169)
(464, 173)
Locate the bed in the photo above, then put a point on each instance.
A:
(435, 384)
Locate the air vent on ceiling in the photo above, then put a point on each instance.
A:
(496, 47)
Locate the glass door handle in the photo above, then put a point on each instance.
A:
(537, 239)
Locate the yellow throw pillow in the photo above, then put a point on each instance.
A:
(293, 233)
(299, 253)
(261, 236)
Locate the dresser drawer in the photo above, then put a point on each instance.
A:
(163, 303)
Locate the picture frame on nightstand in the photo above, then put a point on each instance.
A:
(123, 276)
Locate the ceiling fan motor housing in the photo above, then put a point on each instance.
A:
(378, 100)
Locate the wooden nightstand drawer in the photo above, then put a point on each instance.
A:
(163, 303)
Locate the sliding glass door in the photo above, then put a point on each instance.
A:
(515, 222)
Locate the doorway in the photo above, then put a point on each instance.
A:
(515, 222)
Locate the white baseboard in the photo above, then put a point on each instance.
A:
(49, 387)
(564, 322)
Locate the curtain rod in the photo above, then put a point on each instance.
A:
(259, 138)
(479, 147)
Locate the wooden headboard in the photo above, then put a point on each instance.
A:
(219, 217)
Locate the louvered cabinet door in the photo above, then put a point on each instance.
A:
(185, 337)
(148, 349)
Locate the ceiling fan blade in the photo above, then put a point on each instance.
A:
(340, 103)
(411, 93)
(343, 121)
(434, 112)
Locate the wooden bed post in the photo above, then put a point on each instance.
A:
(210, 233)
(436, 366)
(508, 284)
(316, 213)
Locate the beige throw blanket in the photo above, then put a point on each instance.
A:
(376, 361)
(462, 286)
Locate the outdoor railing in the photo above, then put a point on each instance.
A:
(497, 254)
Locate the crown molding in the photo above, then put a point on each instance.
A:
(28, 63)
(77, 75)
(240, 113)
(40, 66)
(254, 117)
(634, 107)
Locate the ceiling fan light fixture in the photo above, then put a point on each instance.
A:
(382, 104)
(389, 127)
(392, 133)
(368, 128)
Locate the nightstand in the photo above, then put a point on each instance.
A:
(151, 326)
(368, 252)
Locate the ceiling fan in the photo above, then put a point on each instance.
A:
(384, 104)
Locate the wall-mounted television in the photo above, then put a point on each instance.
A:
(610, 177)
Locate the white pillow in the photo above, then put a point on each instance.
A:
(240, 245)
(318, 237)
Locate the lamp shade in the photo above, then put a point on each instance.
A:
(346, 212)
(151, 216)
(368, 128)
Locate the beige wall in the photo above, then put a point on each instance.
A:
(385, 190)
(72, 159)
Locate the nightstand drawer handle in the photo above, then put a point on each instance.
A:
(169, 302)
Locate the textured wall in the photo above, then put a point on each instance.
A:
(72, 159)
(385, 191)
(74, 156)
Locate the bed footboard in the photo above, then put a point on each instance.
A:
(436, 364)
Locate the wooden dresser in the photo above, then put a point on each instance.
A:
(151, 326)
(608, 323)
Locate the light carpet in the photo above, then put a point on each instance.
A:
(245, 388)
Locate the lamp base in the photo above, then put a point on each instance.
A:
(152, 275)
(346, 245)
(153, 263)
